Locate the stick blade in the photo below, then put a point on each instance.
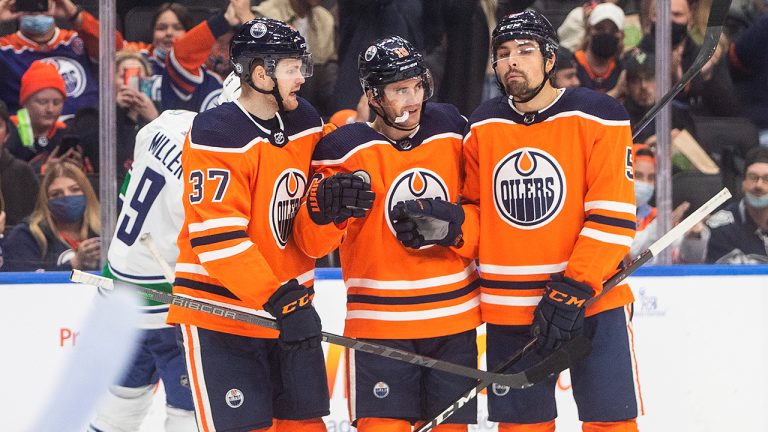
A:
(560, 360)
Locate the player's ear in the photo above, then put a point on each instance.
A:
(371, 99)
(259, 73)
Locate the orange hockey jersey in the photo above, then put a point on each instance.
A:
(550, 192)
(241, 195)
(394, 292)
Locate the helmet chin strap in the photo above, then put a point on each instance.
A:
(274, 92)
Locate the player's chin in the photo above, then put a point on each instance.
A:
(291, 102)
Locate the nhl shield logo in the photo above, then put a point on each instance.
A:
(234, 398)
(415, 183)
(370, 53)
(381, 390)
(286, 198)
(258, 30)
(528, 188)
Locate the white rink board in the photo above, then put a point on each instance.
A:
(701, 347)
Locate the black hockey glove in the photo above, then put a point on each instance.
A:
(559, 317)
(338, 198)
(297, 319)
(428, 221)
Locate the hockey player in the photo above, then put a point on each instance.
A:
(550, 213)
(245, 166)
(423, 300)
(151, 198)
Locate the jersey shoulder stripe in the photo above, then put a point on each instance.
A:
(213, 128)
(591, 103)
(304, 117)
(440, 118)
(345, 140)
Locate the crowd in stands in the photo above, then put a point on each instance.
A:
(49, 95)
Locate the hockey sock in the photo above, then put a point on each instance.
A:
(179, 420)
(536, 427)
(619, 426)
(309, 425)
(375, 424)
(451, 428)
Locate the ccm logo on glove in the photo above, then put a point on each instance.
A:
(567, 299)
(300, 303)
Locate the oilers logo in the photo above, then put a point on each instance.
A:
(500, 390)
(415, 183)
(381, 390)
(528, 188)
(72, 73)
(234, 398)
(286, 198)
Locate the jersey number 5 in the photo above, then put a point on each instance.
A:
(198, 181)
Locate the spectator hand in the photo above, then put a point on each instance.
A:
(87, 255)
(73, 155)
(338, 198)
(559, 317)
(63, 9)
(6, 11)
(679, 212)
(238, 12)
(297, 319)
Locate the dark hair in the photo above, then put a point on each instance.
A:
(181, 12)
(4, 115)
(756, 155)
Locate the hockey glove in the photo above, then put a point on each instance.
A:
(297, 319)
(559, 317)
(338, 198)
(428, 221)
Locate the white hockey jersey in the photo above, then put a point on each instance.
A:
(151, 203)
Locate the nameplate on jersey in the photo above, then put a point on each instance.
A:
(528, 188)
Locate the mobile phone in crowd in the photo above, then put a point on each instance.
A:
(31, 5)
(145, 86)
(68, 142)
(132, 77)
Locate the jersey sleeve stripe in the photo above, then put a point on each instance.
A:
(524, 270)
(616, 206)
(615, 222)
(412, 284)
(217, 238)
(207, 287)
(492, 120)
(242, 149)
(218, 223)
(182, 72)
(414, 315)
(191, 268)
(412, 300)
(606, 237)
(602, 121)
(510, 301)
(304, 277)
(306, 132)
(225, 253)
(513, 285)
(441, 136)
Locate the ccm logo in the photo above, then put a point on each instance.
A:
(569, 300)
(300, 303)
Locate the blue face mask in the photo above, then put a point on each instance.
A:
(67, 209)
(36, 24)
(643, 192)
(756, 201)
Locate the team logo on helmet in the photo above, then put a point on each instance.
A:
(258, 30)
(72, 73)
(500, 390)
(286, 198)
(370, 53)
(528, 188)
(381, 390)
(234, 398)
(415, 183)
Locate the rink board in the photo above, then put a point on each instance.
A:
(700, 337)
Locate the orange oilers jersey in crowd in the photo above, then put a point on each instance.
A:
(394, 292)
(241, 193)
(555, 193)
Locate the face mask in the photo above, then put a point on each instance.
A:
(36, 24)
(604, 45)
(643, 192)
(756, 201)
(67, 209)
(679, 32)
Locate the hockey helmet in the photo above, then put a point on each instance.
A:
(389, 60)
(528, 24)
(268, 40)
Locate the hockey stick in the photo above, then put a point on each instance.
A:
(552, 364)
(652, 251)
(715, 21)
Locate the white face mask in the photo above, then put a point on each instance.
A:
(643, 192)
(756, 201)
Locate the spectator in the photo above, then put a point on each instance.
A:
(61, 233)
(134, 107)
(711, 92)
(316, 24)
(18, 184)
(739, 232)
(573, 30)
(599, 67)
(749, 63)
(40, 132)
(640, 96)
(40, 38)
(566, 74)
